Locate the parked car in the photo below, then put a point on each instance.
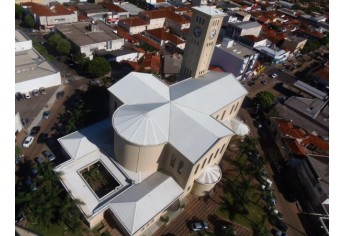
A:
(281, 225)
(199, 226)
(35, 130)
(39, 160)
(28, 141)
(35, 92)
(19, 217)
(60, 94)
(93, 82)
(33, 172)
(46, 114)
(49, 155)
(43, 90)
(279, 233)
(42, 138)
(274, 75)
(29, 184)
(19, 96)
(279, 214)
(27, 95)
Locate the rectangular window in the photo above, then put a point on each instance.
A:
(203, 21)
(203, 164)
(232, 108)
(197, 168)
(172, 161)
(222, 148)
(180, 167)
(216, 153)
(217, 117)
(223, 114)
(209, 160)
(236, 106)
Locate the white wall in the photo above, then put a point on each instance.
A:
(22, 46)
(46, 81)
(129, 57)
(18, 123)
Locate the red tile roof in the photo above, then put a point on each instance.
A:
(42, 10)
(295, 148)
(162, 34)
(124, 34)
(323, 73)
(289, 130)
(113, 7)
(134, 21)
(216, 68)
(152, 62)
(148, 41)
(316, 141)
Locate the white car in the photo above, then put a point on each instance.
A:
(28, 141)
(274, 75)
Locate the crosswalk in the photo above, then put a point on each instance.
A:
(71, 78)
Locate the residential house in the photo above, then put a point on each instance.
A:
(117, 14)
(236, 30)
(134, 25)
(294, 44)
(47, 18)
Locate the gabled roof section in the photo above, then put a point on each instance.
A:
(140, 203)
(207, 95)
(42, 10)
(77, 145)
(289, 130)
(189, 126)
(140, 88)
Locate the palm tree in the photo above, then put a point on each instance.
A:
(68, 214)
(247, 145)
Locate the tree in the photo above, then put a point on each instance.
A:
(247, 145)
(99, 66)
(19, 12)
(259, 228)
(63, 47)
(264, 99)
(29, 21)
(79, 58)
(54, 39)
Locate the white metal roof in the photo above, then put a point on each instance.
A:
(139, 88)
(179, 114)
(211, 175)
(145, 124)
(139, 204)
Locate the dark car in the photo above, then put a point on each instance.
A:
(60, 94)
(42, 138)
(34, 172)
(19, 96)
(275, 221)
(46, 114)
(49, 155)
(39, 160)
(35, 130)
(29, 184)
(19, 217)
(199, 226)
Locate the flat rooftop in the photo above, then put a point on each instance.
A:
(80, 34)
(238, 50)
(247, 25)
(31, 65)
(132, 9)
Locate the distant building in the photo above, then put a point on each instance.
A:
(134, 25)
(117, 14)
(94, 11)
(234, 58)
(294, 43)
(236, 30)
(172, 65)
(48, 17)
(273, 54)
(88, 37)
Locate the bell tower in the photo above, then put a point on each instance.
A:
(201, 40)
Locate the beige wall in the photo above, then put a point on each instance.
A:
(96, 220)
(230, 110)
(201, 189)
(156, 23)
(137, 158)
(187, 177)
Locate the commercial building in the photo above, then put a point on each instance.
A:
(234, 58)
(273, 54)
(88, 37)
(161, 144)
(32, 71)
